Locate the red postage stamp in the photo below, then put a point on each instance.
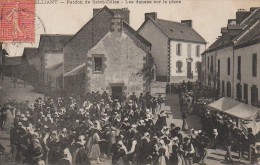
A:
(17, 19)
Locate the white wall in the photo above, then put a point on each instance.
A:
(223, 56)
(184, 55)
(246, 69)
(159, 49)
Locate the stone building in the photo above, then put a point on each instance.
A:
(54, 75)
(228, 64)
(176, 48)
(50, 52)
(107, 55)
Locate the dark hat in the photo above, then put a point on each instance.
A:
(249, 130)
(186, 139)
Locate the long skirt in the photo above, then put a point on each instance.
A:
(94, 152)
(185, 125)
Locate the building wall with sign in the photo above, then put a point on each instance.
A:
(122, 58)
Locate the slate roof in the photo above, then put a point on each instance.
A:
(246, 24)
(125, 25)
(251, 37)
(10, 61)
(53, 42)
(179, 31)
(252, 17)
(30, 53)
(77, 70)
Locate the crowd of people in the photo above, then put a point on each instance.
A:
(72, 131)
(128, 130)
(223, 131)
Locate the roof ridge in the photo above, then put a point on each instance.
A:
(245, 31)
(170, 21)
(250, 16)
(104, 8)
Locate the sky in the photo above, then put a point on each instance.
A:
(208, 16)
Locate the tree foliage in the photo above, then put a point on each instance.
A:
(147, 71)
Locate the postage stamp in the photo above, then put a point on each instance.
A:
(17, 21)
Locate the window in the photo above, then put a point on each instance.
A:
(189, 50)
(228, 89)
(197, 65)
(208, 63)
(239, 67)
(246, 93)
(228, 66)
(211, 66)
(254, 95)
(98, 63)
(223, 88)
(239, 92)
(198, 50)
(218, 68)
(254, 65)
(178, 49)
(178, 66)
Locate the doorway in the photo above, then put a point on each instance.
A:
(189, 70)
(117, 91)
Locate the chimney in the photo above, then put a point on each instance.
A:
(241, 15)
(231, 21)
(187, 22)
(117, 23)
(152, 15)
(124, 13)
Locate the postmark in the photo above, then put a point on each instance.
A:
(17, 21)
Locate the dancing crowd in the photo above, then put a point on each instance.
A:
(128, 130)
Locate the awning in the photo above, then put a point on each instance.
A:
(76, 71)
(244, 111)
(235, 108)
(223, 104)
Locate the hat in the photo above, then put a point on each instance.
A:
(175, 138)
(20, 123)
(163, 113)
(146, 134)
(186, 139)
(162, 142)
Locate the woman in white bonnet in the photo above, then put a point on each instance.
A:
(215, 136)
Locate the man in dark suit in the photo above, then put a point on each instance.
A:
(251, 142)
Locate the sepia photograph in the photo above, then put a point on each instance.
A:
(129, 82)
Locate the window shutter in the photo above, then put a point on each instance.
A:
(180, 49)
(176, 50)
(198, 50)
(189, 50)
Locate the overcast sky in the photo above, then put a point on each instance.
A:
(208, 16)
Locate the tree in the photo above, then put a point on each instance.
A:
(147, 69)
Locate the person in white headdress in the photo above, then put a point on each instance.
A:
(9, 120)
(67, 158)
(93, 142)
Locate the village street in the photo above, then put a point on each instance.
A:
(171, 105)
